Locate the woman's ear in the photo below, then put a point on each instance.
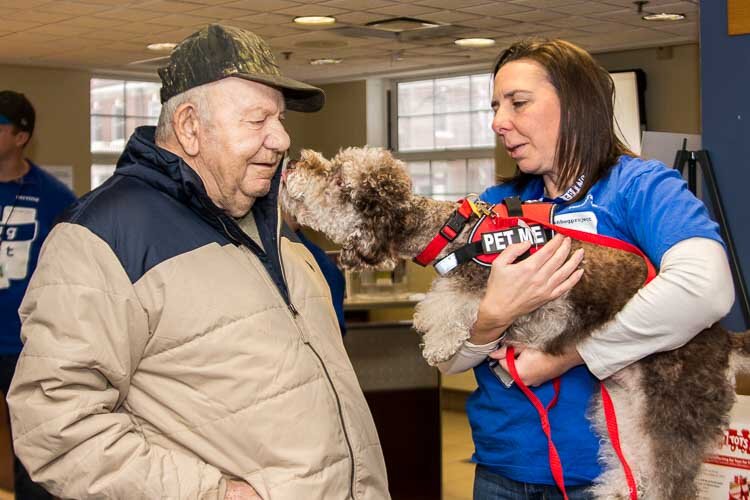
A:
(186, 126)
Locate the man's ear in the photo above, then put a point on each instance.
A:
(186, 126)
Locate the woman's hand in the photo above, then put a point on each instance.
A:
(535, 367)
(515, 289)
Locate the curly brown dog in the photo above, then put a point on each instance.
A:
(671, 406)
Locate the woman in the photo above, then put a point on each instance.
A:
(554, 114)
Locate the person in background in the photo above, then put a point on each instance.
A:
(331, 272)
(177, 345)
(553, 109)
(30, 201)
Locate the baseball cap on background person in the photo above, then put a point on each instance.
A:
(16, 110)
(216, 52)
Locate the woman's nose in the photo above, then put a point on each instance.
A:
(500, 122)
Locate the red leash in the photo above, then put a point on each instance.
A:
(614, 436)
(609, 409)
(555, 463)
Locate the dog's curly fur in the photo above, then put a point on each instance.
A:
(671, 406)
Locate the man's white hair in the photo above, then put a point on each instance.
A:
(198, 96)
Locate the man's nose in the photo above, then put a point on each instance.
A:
(278, 139)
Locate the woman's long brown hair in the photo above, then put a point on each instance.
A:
(587, 143)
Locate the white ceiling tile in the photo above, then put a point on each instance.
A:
(358, 4)
(449, 16)
(36, 16)
(310, 10)
(534, 16)
(25, 36)
(404, 10)
(542, 4)
(269, 20)
(358, 18)
(605, 27)
(570, 22)
(130, 14)
(177, 21)
(75, 8)
(496, 9)
(109, 35)
(59, 30)
(92, 22)
(169, 6)
(583, 8)
(219, 12)
(14, 25)
(261, 5)
(450, 4)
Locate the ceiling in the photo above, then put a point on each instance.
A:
(108, 36)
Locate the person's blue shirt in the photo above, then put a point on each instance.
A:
(28, 209)
(638, 201)
(333, 276)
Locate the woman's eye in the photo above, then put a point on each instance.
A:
(518, 104)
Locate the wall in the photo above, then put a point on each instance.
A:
(342, 121)
(725, 76)
(673, 84)
(62, 132)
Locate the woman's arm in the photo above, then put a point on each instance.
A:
(692, 291)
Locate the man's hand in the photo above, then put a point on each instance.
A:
(535, 367)
(238, 490)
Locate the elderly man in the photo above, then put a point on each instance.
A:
(177, 344)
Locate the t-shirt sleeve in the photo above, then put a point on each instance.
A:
(659, 210)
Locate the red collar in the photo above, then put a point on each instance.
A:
(447, 233)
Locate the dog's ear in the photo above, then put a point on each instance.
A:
(382, 194)
(381, 198)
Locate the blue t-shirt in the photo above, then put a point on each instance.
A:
(28, 209)
(638, 201)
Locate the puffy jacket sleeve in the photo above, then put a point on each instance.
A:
(84, 332)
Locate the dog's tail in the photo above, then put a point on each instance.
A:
(740, 356)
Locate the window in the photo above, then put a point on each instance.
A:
(117, 108)
(443, 133)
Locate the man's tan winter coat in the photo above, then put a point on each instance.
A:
(166, 352)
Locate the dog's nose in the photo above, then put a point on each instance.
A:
(291, 164)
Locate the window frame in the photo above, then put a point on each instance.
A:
(107, 157)
(446, 154)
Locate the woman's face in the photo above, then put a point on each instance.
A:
(527, 116)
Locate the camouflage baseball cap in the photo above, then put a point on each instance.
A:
(217, 52)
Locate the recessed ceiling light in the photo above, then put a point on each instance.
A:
(475, 42)
(161, 47)
(325, 60)
(315, 20)
(663, 16)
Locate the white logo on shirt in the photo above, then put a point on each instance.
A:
(580, 221)
(19, 229)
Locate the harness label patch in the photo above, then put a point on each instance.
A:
(497, 241)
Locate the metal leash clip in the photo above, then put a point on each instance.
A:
(479, 207)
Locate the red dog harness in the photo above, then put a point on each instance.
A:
(498, 227)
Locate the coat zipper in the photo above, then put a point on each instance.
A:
(295, 313)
